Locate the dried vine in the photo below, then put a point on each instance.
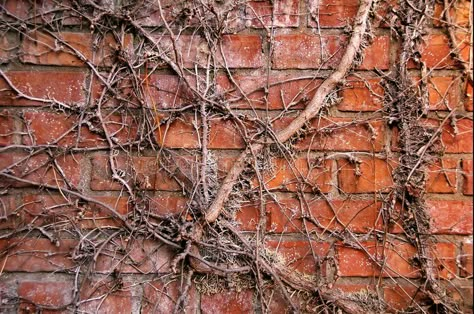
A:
(121, 124)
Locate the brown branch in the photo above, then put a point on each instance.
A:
(313, 108)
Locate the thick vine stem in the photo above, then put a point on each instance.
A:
(310, 111)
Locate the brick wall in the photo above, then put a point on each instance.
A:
(69, 114)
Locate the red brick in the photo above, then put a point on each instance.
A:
(315, 173)
(333, 13)
(444, 255)
(283, 91)
(178, 133)
(45, 49)
(284, 13)
(45, 297)
(340, 134)
(401, 297)
(150, 15)
(161, 297)
(57, 129)
(61, 86)
(442, 176)
(168, 205)
(46, 209)
(457, 140)
(143, 172)
(467, 174)
(357, 216)
(436, 51)
(226, 134)
(468, 101)
(395, 258)
(466, 258)
(371, 175)
(105, 297)
(8, 47)
(239, 51)
(7, 128)
(377, 54)
(39, 11)
(166, 91)
(242, 51)
(39, 170)
(361, 95)
(298, 255)
(302, 51)
(228, 302)
(8, 213)
(450, 217)
(35, 255)
(248, 217)
(135, 256)
(444, 93)
(459, 13)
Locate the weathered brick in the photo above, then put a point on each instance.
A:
(36, 255)
(248, 217)
(166, 91)
(39, 169)
(335, 215)
(8, 47)
(61, 86)
(400, 297)
(57, 129)
(370, 175)
(467, 174)
(444, 255)
(144, 172)
(8, 209)
(168, 205)
(302, 51)
(227, 302)
(300, 255)
(436, 51)
(284, 91)
(466, 258)
(178, 133)
(135, 256)
(238, 51)
(332, 13)
(444, 93)
(160, 297)
(468, 101)
(458, 140)
(309, 174)
(242, 51)
(459, 13)
(272, 13)
(361, 95)
(442, 176)
(395, 258)
(377, 54)
(46, 49)
(340, 134)
(46, 209)
(45, 297)
(450, 216)
(105, 297)
(225, 134)
(7, 128)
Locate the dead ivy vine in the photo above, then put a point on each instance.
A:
(209, 248)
